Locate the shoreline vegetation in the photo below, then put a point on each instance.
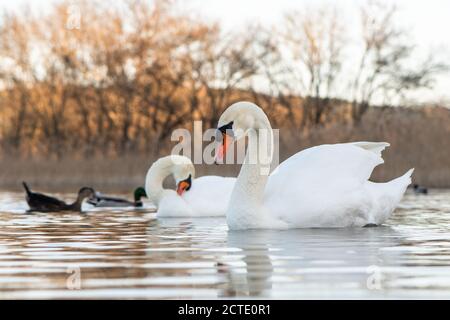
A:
(90, 93)
(418, 138)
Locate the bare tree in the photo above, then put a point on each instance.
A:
(137, 70)
(315, 42)
(383, 71)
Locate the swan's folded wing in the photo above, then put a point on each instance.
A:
(314, 187)
(323, 167)
(375, 147)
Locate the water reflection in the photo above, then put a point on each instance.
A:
(252, 277)
(320, 256)
(131, 254)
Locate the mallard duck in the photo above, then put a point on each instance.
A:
(43, 203)
(419, 190)
(102, 201)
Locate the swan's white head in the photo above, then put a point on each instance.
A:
(236, 121)
(183, 172)
(180, 167)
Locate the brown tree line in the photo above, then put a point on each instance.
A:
(93, 78)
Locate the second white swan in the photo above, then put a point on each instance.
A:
(202, 197)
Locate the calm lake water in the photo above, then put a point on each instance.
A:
(130, 254)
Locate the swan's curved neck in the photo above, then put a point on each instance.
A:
(247, 196)
(256, 166)
(160, 170)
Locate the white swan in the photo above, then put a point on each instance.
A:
(323, 186)
(202, 197)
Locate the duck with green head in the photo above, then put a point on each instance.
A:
(102, 201)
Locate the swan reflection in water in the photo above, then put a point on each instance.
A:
(253, 277)
(298, 259)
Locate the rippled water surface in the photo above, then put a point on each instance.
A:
(129, 254)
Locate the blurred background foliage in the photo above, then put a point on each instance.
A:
(91, 93)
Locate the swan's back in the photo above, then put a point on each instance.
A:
(209, 195)
(320, 166)
(325, 185)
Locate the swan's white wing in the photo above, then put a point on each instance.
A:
(316, 186)
(209, 195)
(375, 147)
(325, 163)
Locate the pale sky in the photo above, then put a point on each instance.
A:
(428, 21)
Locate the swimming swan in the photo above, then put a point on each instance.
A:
(323, 186)
(202, 197)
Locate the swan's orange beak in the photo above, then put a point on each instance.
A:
(223, 147)
(184, 185)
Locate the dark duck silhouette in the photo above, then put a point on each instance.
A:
(419, 190)
(101, 201)
(43, 203)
